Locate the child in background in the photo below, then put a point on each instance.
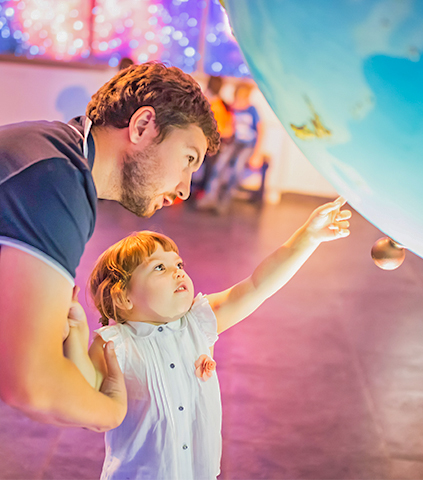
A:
(225, 126)
(222, 111)
(163, 339)
(243, 149)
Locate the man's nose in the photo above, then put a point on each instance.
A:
(184, 187)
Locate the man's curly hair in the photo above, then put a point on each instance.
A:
(175, 96)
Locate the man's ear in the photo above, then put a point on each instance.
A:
(142, 124)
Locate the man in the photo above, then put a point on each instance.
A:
(146, 132)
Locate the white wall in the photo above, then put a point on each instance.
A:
(34, 92)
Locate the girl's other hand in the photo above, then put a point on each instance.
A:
(77, 320)
(328, 222)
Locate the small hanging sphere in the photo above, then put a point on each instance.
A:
(387, 254)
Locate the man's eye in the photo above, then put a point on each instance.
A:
(191, 159)
(159, 268)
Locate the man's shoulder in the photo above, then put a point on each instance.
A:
(27, 143)
(33, 128)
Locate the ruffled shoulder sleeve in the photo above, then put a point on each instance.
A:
(115, 333)
(205, 318)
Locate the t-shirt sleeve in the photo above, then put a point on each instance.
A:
(112, 332)
(205, 318)
(49, 210)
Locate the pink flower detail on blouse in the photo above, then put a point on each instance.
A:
(204, 367)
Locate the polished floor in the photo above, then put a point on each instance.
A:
(324, 381)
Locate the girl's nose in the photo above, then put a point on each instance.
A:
(179, 273)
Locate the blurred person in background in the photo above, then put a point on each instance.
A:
(244, 149)
(225, 125)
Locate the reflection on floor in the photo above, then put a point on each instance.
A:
(324, 381)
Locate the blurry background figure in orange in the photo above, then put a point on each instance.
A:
(222, 111)
(225, 125)
(231, 161)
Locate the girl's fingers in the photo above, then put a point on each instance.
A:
(330, 207)
(344, 215)
(339, 231)
(343, 232)
(339, 225)
(343, 224)
(75, 293)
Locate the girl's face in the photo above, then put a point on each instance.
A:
(159, 290)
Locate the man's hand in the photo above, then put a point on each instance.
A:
(109, 376)
(114, 384)
(328, 222)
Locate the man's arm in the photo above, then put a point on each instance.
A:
(35, 376)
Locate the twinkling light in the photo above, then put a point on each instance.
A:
(222, 55)
(166, 30)
(189, 52)
(150, 30)
(216, 67)
(62, 22)
(211, 38)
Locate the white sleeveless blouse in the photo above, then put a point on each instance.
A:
(172, 430)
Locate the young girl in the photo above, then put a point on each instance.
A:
(163, 340)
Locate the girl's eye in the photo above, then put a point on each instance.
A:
(160, 267)
(191, 159)
(181, 265)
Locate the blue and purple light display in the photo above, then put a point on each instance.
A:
(190, 34)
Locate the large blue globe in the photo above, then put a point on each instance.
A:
(345, 77)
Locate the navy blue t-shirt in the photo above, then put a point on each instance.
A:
(47, 194)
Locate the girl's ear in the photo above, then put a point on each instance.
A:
(123, 302)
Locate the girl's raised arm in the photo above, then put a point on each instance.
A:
(326, 223)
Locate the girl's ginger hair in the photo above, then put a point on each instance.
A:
(113, 270)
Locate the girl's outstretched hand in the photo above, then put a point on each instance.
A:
(328, 222)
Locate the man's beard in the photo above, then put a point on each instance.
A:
(139, 179)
